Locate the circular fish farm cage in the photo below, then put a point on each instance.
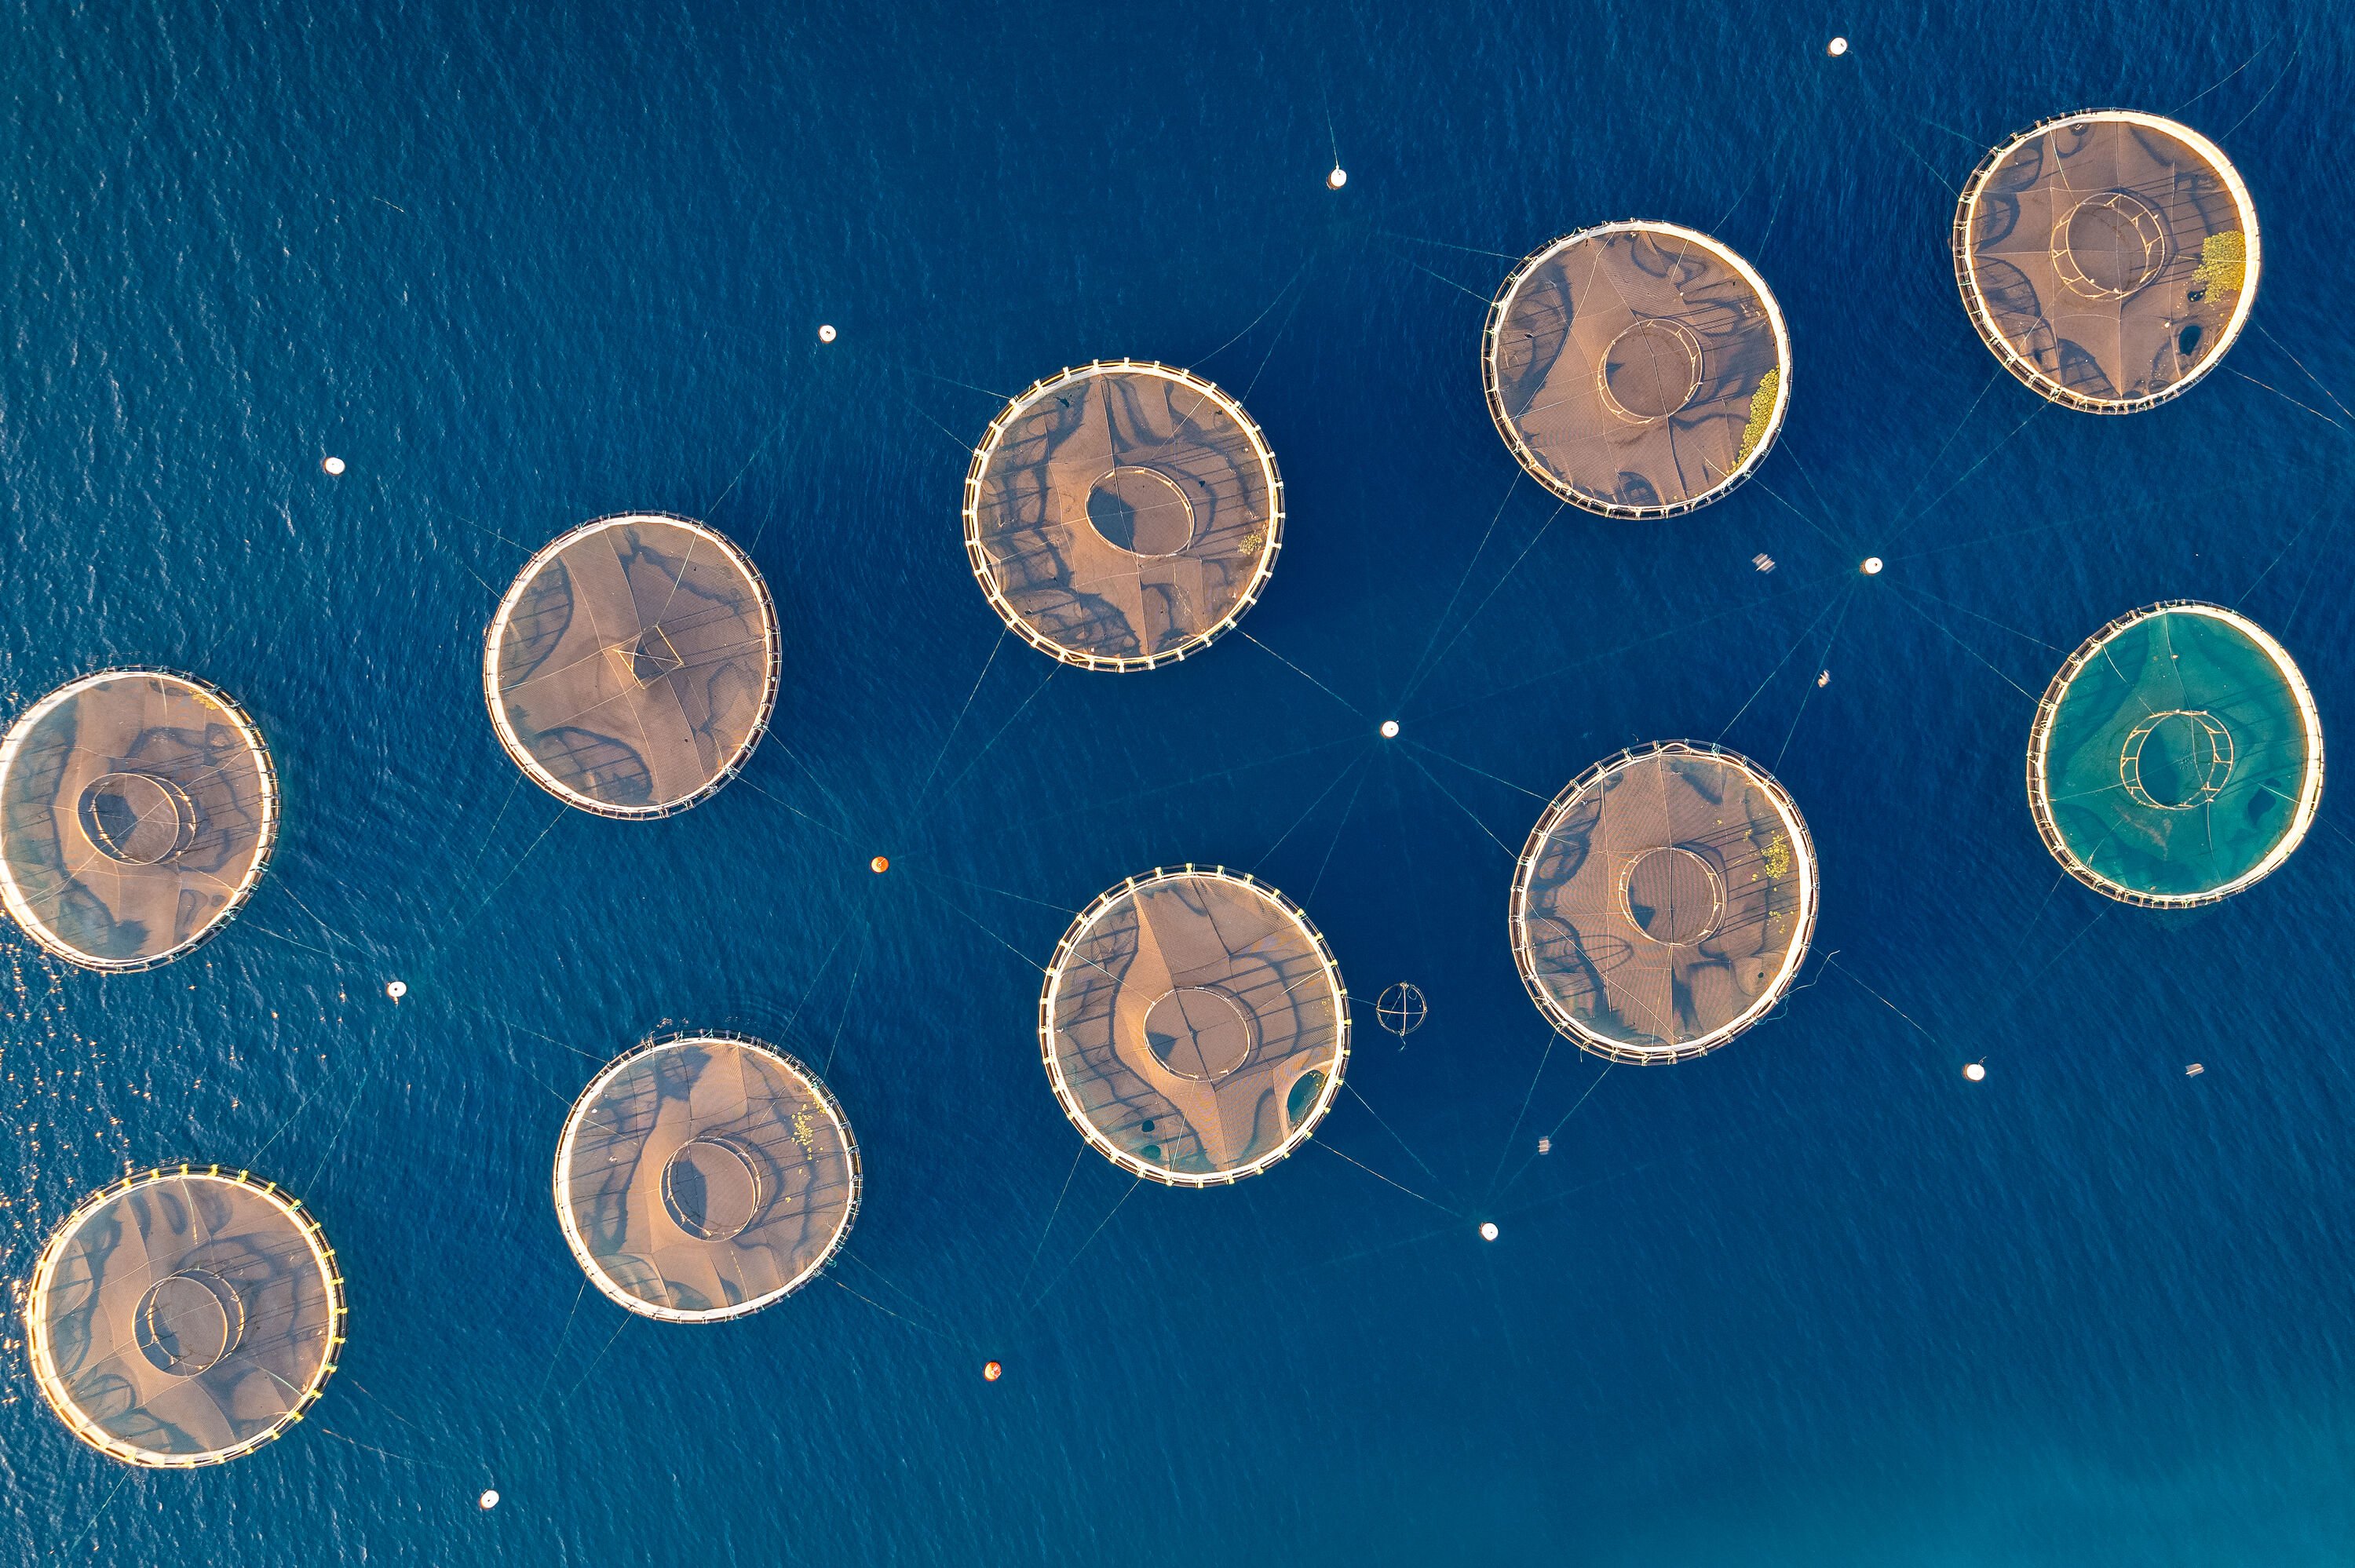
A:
(1194, 1025)
(2108, 258)
(631, 668)
(1123, 515)
(184, 1316)
(1664, 902)
(137, 811)
(2176, 758)
(704, 1176)
(1637, 369)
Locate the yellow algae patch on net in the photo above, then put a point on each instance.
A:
(1762, 415)
(2223, 263)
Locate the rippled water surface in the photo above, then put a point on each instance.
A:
(1814, 1299)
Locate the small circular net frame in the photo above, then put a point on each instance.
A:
(2107, 257)
(1637, 369)
(1664, 902)
(704, 1176)
(1123, 514)
(1194, 1025)
(137, 811)
(184, 1316)
(631, 668)
(2176, 758)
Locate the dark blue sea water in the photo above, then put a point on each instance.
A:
(1814, 1299)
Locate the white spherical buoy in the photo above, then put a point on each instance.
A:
(397, 990)
(1823, 677)
(1338, 178)
(1975, 1072)
(488, 1501)
(826, 334)
(1487, 1230)
(1837, 47)
(333, 465)
(1872, 565)
(1390, 729)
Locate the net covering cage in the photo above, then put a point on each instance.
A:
(1637, 369)
(137, 811)
(1664, 902)
(184, 1316)
(1194, 1025)
(2176, 758)
(2108, 258)
(1123, 514)
(704, 1176)
(631, 668)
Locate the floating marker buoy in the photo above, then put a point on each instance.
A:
(1401, 1009)
(1487, 1230)
(1390, 729)
(1762, 561)
(1872, 565)
(1545, 1146)
(879, 865)
(1837, 47)
(397, 990)
(1336, 179)
(1975, 1072)
(333, 465)
(1822, 678)
(825, 333)
(488, 1501)
(2194, 1070)
(991, 1371)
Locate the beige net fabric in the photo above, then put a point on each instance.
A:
(184, 1317)
(2108, 258)
(631, 668)
(1194, 1025)
(1637, 369)
(137, 810)
(704, 1177)
(1664, 903)
(1123, 514)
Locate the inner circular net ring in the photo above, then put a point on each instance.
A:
(1652, 370)
(1675, 896)
(1142, 512)
(188, 1320)
(2193, 758)
(713, 1188)
(138, 818)
(2110, 245)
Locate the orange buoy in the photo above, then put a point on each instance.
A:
(879, 865)
(992, 1371)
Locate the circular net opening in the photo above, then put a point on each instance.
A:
(2176, 758)
(705, 1176)
(1637, 369)
(182, 1318)
(1123, 514)
(1141, 511)
(2107, 258)
(1194, 1025)
(138, 818)
(631, 667)
(1664, 902)
(137, 811)
(187, 1321)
